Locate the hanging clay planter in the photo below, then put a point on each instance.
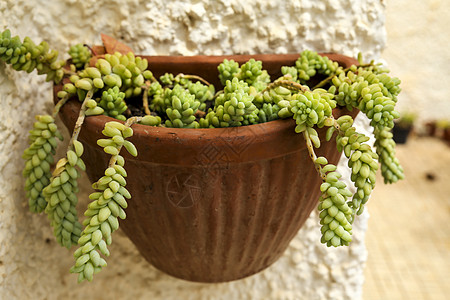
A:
(213, 205)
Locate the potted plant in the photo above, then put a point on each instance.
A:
(443, 127)
(225, 176)
(430, 128)
(403, 127)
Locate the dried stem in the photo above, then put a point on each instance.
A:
(81, 117)
(218, 94)
(313, 155)
(145, 98)
(69, 72)
(90, 49)
(329, 78)
(195, 77)
(292, 85)
(59, 105)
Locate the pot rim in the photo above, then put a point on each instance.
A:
(152, 141)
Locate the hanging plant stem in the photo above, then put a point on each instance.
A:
(81, 117)
(60, 104)
(194, 77)
(145, 98)
(329, 78)
(312, 154)
(108, 202)
(292, 85)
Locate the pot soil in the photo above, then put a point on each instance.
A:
(213, 205)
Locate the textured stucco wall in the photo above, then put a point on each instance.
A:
(417, 53)
(33, 266)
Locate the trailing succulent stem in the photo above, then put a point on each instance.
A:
(108, 203)
(119, 85)
(61, 198)
(27, 56)
(38, 160)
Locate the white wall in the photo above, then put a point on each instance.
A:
(417, 52)
(33, 266)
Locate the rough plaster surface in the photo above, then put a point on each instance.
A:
(33, 266)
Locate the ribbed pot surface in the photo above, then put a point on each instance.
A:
(213, 205)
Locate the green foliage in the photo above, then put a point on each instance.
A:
(231, 107)
(93, 109)
(443, 124)
(272, 96)
(250, 72)
(406, 120)
(126, 72)
(156, 91)
(113, 103)
(187, 101)
(150, 120)
(169, 79)
(335, 213)
(28, 56)
(391, 169)
(227, 70)
(80, 55)
(61, 197)
(362, 161)
(373, 94)
(201, 93)
(107, 206)
(269, 112)
(311, 63)
(311, 108)
(38, 160)
(290, 72)
(181, 108)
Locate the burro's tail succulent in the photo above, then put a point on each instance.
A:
(119, 85)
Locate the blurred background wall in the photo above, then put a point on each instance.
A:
(417, 52)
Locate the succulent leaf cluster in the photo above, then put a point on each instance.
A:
(336, 216)
(61, 197)
(38, 160)
(169, 79)
(187, 101)
(202, 93)
(250, 72)
(391, 169)
(109, 202)
(366, 91)
(227, 70)
(126, 72)
(374, 93)
(181, 108)
(27, 56)
(113, 103)
(362, 161)
(232, 107)
(309, 64)
(311, 108)
(80, 55)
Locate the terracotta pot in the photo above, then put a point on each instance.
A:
(213, 205)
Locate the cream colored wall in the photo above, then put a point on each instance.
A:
(32, 266)
(417, 52)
